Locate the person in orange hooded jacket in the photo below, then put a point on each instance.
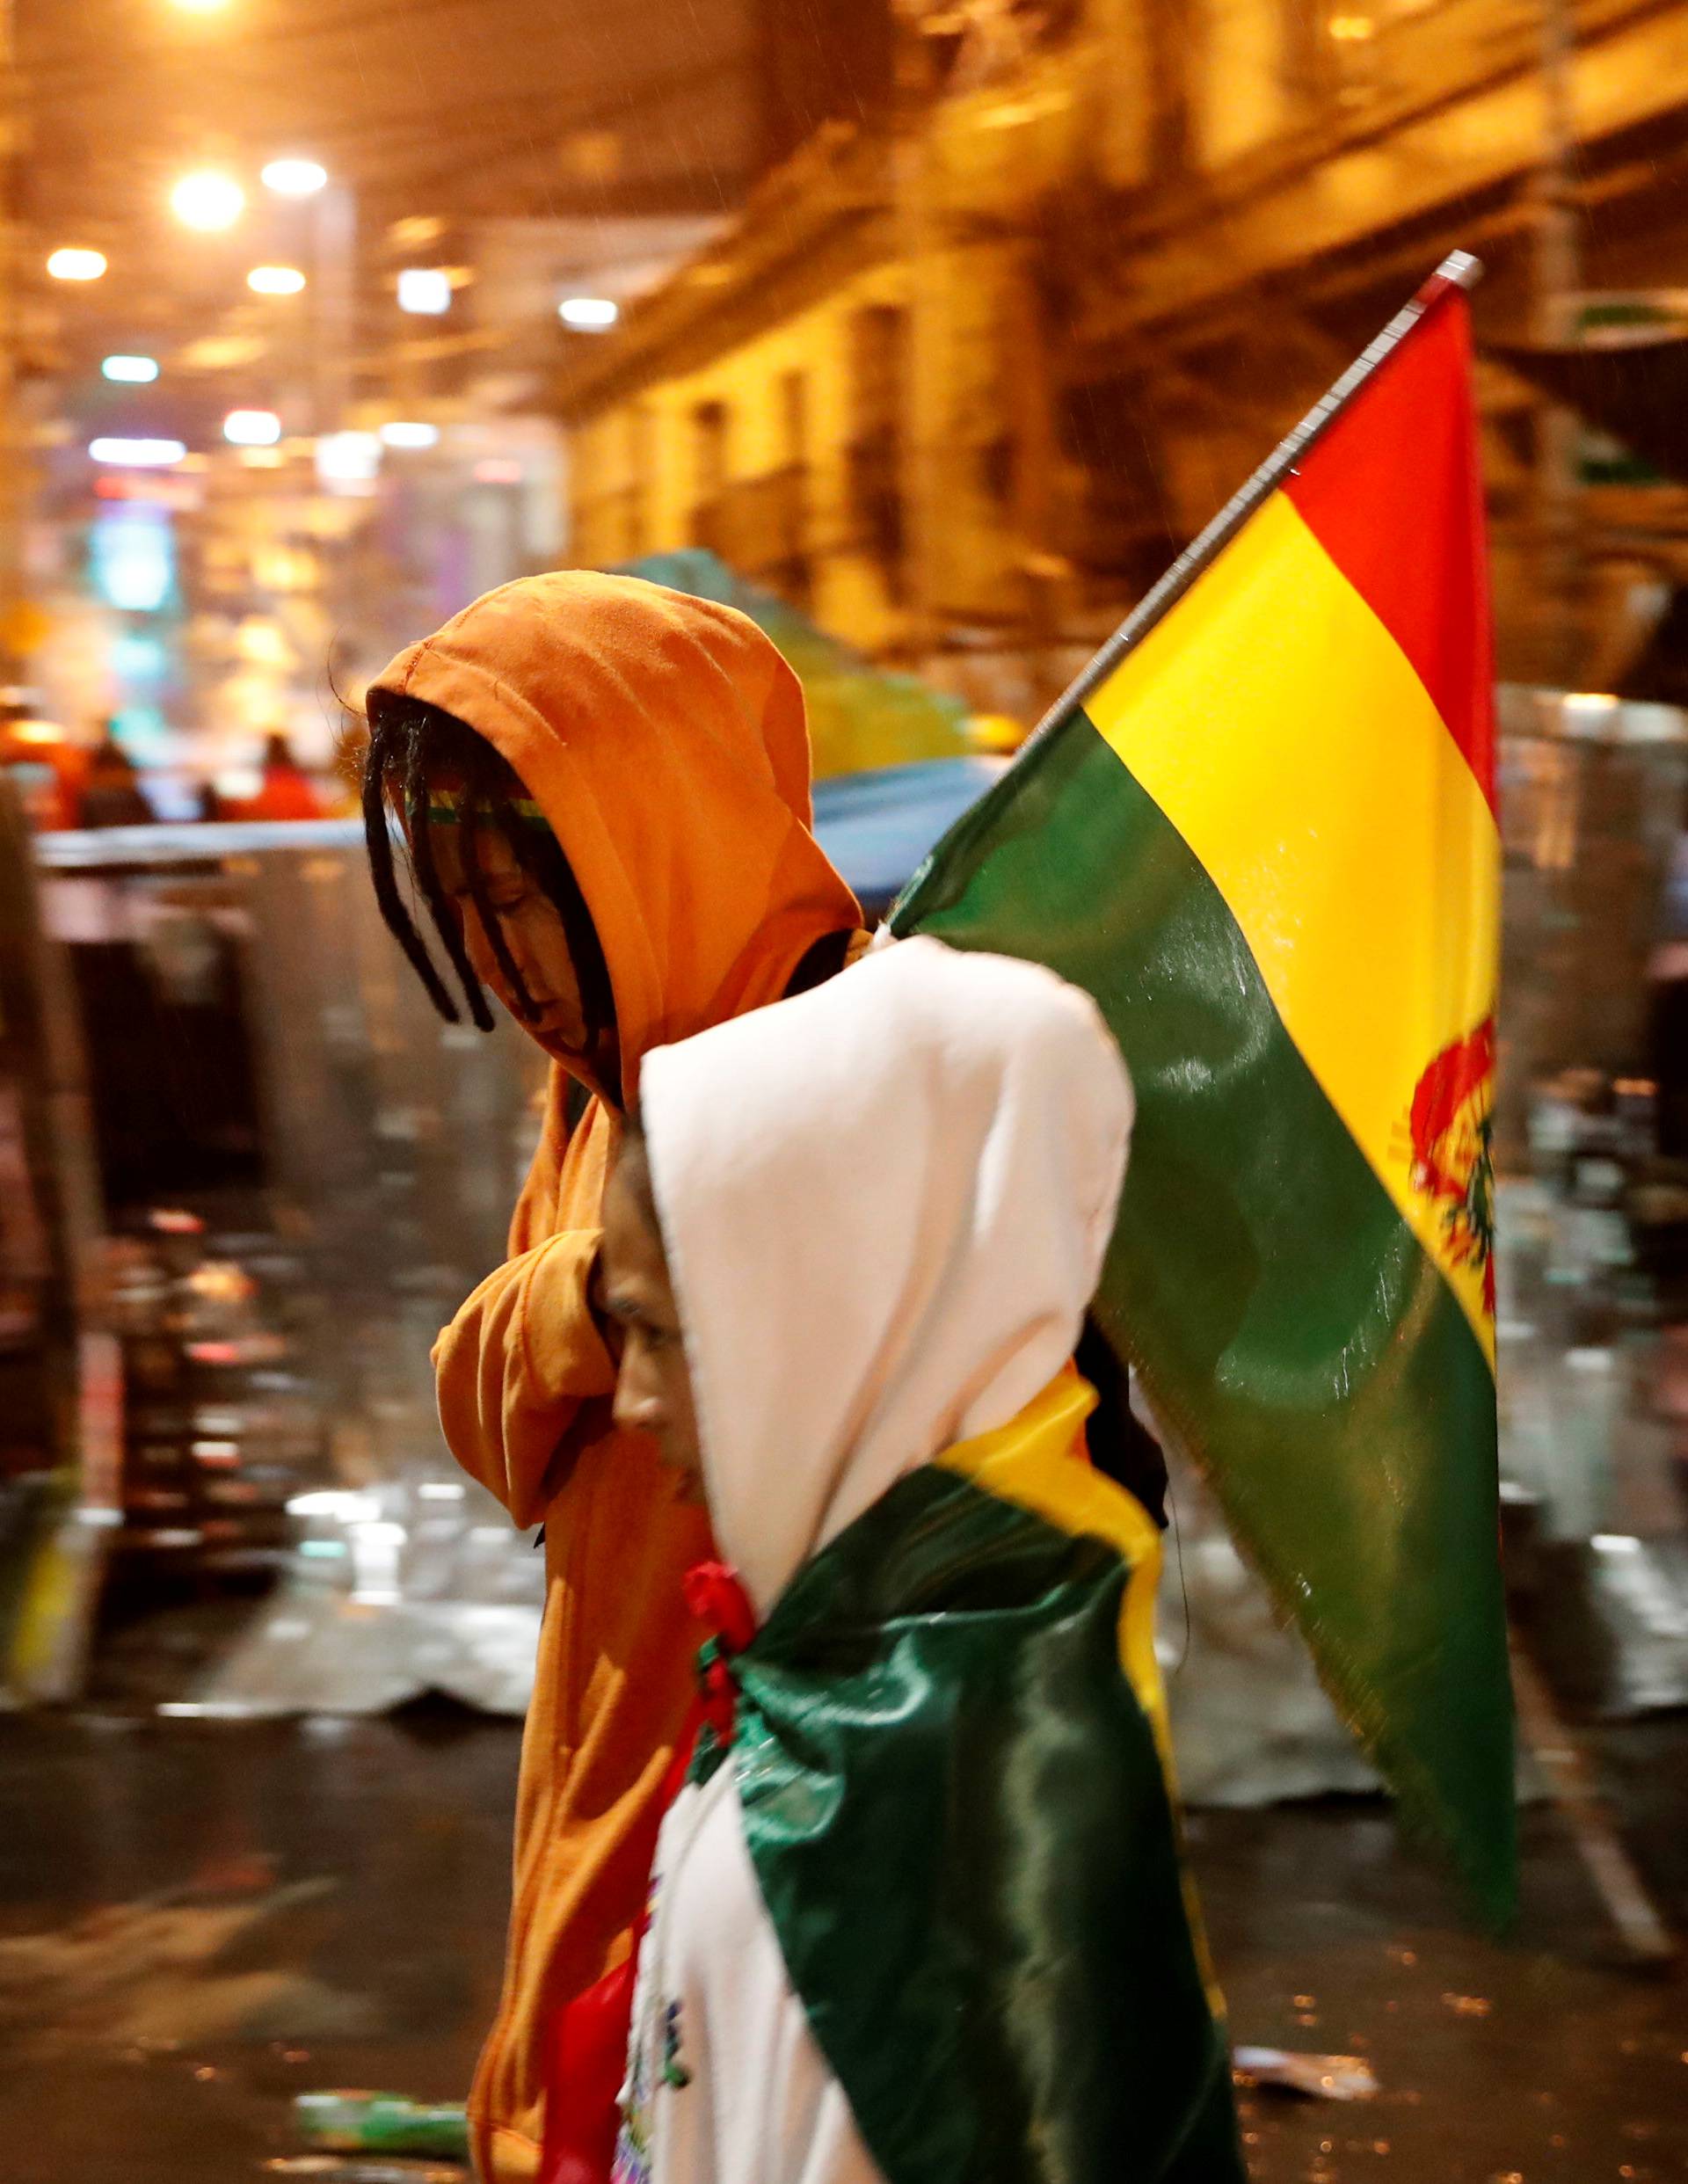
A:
(604, 787)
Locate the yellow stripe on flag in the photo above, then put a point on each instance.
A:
(1039, 1462)
(1284, 734)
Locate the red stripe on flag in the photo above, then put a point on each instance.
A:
(1394, 493)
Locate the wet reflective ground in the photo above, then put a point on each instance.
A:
(199, 1920)
(1543, 2060)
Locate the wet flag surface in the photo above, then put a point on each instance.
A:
(1261, 831)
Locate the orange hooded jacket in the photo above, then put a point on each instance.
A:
(664, 740)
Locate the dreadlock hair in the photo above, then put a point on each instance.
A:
(415, 747)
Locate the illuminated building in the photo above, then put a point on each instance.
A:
(964, 377)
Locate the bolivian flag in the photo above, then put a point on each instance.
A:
(1261, 830)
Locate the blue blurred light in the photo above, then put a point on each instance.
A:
(144, 732)
(134, 558)
(139, 658)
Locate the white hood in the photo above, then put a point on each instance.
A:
(885, 1204)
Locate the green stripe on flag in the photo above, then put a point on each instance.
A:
(1289, 1328)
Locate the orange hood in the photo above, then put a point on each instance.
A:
(664, 739)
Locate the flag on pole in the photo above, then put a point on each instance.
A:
(1261, 830)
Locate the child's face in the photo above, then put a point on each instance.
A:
(653, 1388)
(533, 932)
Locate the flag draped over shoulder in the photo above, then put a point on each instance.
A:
(1262, 833)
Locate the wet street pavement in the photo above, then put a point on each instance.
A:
(198, 1921)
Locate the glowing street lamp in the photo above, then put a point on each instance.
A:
(588, 314)
(251, 428)
(130, 371)
(424, 291)
(410, 434)
(275, 281)
(73, 265)
(138, 455)
(295, 178)
(348, 462)
(208, 201)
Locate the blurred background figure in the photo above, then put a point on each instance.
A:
(288, 792)
(110, 792)
(45, 767)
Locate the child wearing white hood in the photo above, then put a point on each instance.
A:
(918, 1912)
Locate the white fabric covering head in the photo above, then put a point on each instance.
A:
(885, 1204)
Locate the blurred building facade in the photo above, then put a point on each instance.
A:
(506, 161)
(968, 370)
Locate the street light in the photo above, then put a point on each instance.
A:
(130, 371)
(275, 281)
(208, 201)
(588, 314)
(424, 291)
(251, 428)
(348, 462)
(138, 455)
(73, 265)
(295, 178)
(410, 434)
